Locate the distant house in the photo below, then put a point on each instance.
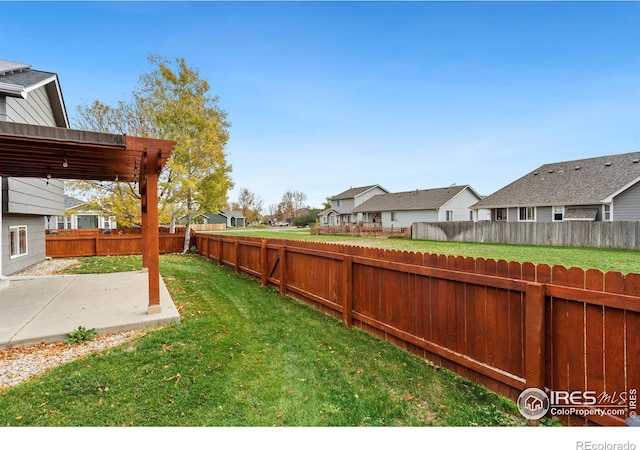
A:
(343, 204)
(232, 218)
(605, 188)
(229, 218)
(399, 210)
(29, 205)
(78, 216)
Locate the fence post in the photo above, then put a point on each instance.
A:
(283, 270)
(220, 251)
(264, 274)
(347, 304)
(236, 246)
(534, 344)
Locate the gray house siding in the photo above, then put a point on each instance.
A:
(216, 218)
(626, 206)
(460, 206)
(544, 214)
(345, 204)
(35, 196)
(28, 201)
(36, 246)
(3, 109)
(406, 218)
(36, 110)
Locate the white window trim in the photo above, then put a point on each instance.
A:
(533, 208)
(604, 212)
(553, 213)
(448, 215)
(506, 219)
(26, 241)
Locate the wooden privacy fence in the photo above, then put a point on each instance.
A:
(107, 245)
(617, 234)
(203, 227)
(101, 231)
(505, 325)
(365, 230)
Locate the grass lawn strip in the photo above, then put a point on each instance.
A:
(619, 260)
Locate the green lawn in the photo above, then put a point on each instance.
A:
(245, 356)
(625, 261)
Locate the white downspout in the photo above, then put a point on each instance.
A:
(4, 282)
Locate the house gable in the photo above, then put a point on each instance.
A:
(31, 96)
(345, 202)
(357, 191)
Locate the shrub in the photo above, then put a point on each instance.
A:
(81, 335)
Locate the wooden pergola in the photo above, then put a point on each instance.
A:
(61, 153)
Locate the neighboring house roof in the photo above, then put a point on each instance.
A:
(18, 80)
(579, 182)
(236, 214)
(425, 199)
(327, 212)
(70, 202)
(353, 192)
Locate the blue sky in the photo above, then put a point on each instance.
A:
(323, 96)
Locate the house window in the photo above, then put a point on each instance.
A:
(393, 216)
(527, 214)
(501, 214)
(17, 241)
(449, 214)
(337, 202)
(558, 213)
(607, 212)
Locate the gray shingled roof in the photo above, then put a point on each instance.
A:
(70, 202)
(27, 78)
(351, 193)
(578, 182)
(236, 214)
(411, 200)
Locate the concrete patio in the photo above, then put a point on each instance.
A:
(48, 308)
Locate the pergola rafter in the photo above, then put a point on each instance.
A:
(49, 152)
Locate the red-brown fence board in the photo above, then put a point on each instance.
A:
(107, 245)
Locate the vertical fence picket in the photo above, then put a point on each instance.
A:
(577, 343)
(614, 339)
(534, 347)
(594, 335)
(561, 334)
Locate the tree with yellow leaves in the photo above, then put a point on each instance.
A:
(172, 103)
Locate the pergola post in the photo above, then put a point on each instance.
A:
(144, 225)
(152, 235)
